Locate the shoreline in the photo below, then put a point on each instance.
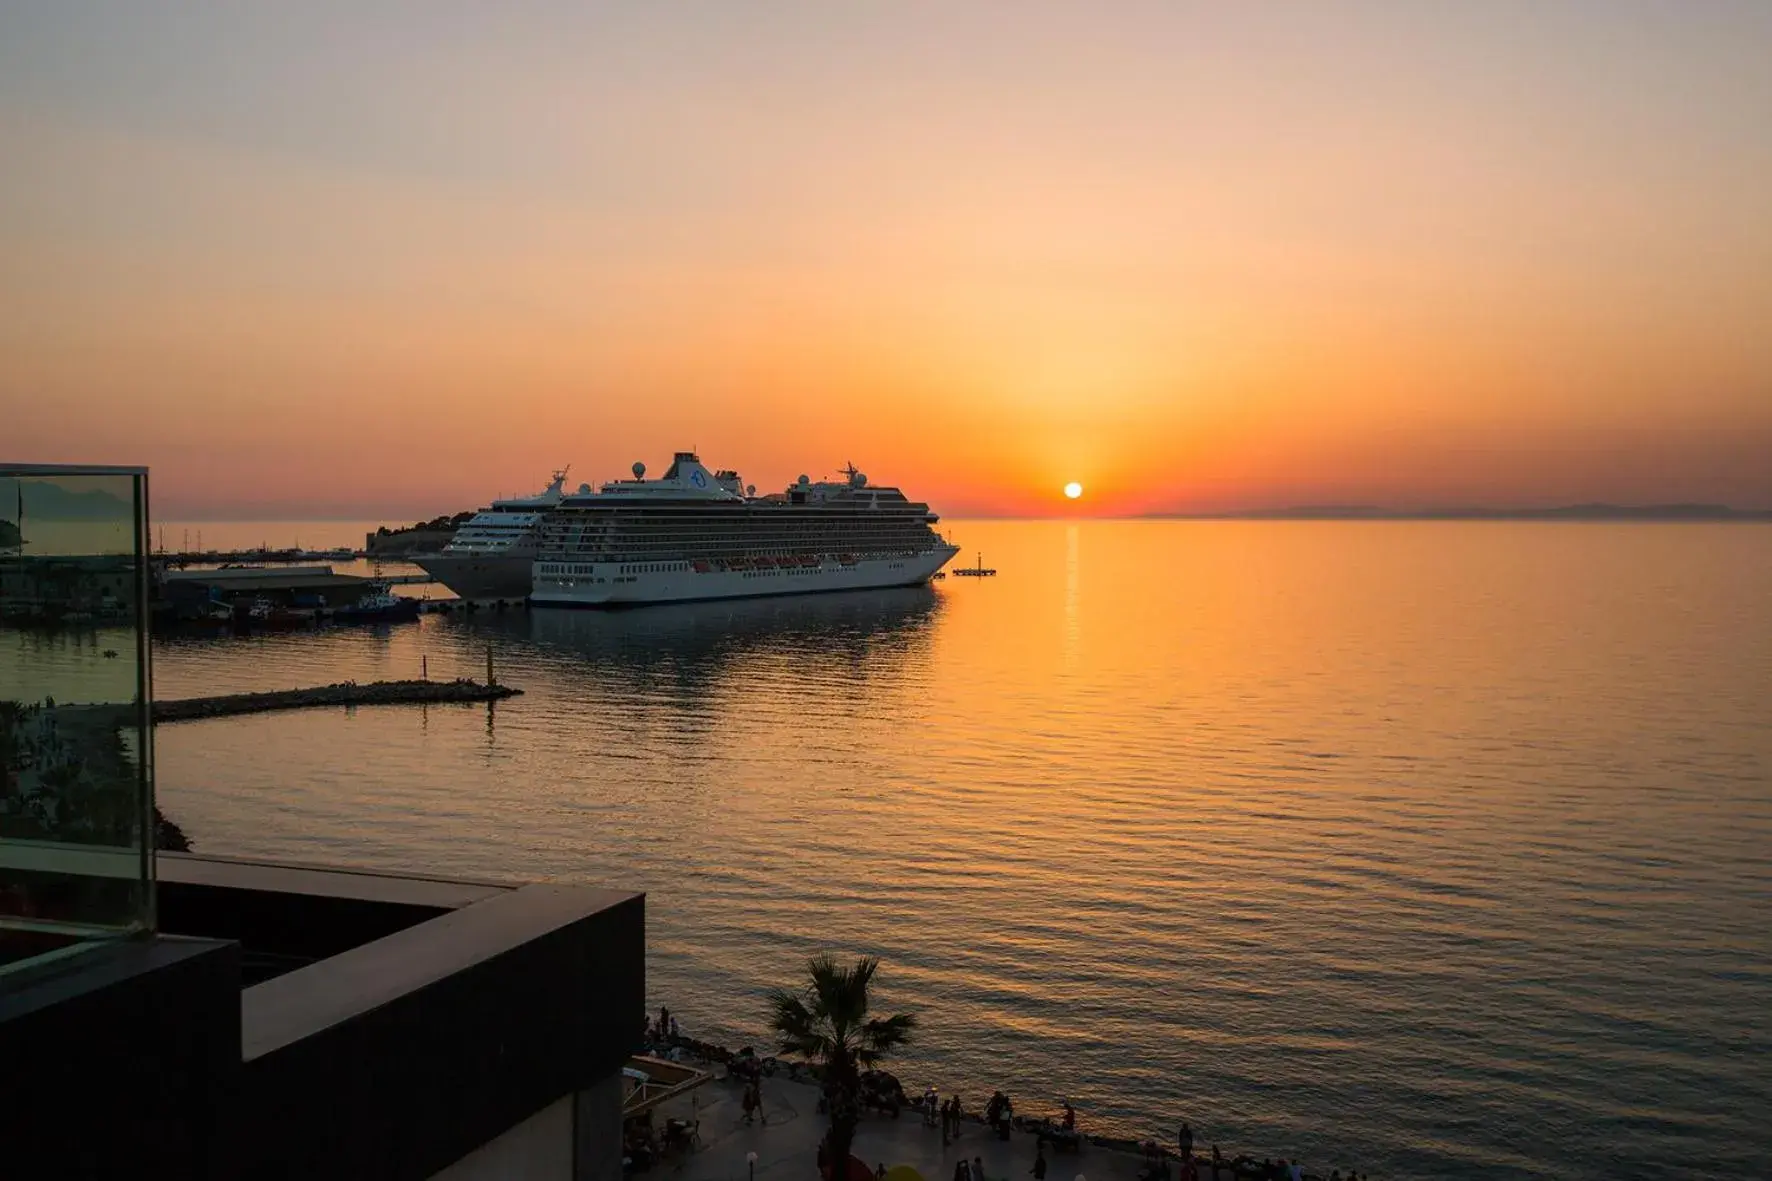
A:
(783, 1071)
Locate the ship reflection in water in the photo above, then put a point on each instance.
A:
(861, 633)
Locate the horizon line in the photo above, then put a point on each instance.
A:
(1669, 511)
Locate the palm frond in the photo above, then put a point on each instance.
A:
(827, 1019)
(797, 1028)
(889, 1033)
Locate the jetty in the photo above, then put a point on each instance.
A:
(345, 693)
(978, 571)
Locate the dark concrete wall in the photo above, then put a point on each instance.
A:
(418, 1019)
(477, 1021)
(122, 1060)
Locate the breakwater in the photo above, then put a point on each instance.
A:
(343, 693)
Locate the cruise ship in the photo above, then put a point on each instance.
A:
(698, 534)
(492, 554)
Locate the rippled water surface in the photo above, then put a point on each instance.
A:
(1441, 849)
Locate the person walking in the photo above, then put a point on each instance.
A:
(962, 1172)
(1039, 1169)
(1187, 1141)
(978, 1168)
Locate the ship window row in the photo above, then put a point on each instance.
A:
(756, 538)
(677, 556)
(735, 528)
(739, 515)
(555, 569)
(735, 545)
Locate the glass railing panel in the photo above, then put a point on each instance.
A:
(76, 751)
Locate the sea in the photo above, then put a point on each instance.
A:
(1435, 850)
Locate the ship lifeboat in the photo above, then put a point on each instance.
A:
(699, 567)
(848, 559)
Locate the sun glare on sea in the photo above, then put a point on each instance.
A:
(1073, 490)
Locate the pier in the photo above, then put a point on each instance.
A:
(345, 693)
(978, 571)
(179, 559)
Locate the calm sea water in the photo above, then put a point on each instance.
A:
(1439, 849)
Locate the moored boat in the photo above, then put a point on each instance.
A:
(379, 604)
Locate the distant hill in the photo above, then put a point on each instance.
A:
(49, 501)
(1568, 512)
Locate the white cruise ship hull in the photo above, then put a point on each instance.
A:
(481, 576)
(560, 583)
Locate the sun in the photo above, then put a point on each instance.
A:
(1073, 490)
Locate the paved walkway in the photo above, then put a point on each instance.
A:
(787, 1147)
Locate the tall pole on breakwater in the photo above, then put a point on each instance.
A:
(491, 680)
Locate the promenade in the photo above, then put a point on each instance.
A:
(787, 1147)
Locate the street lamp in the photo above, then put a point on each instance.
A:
(750, 1160)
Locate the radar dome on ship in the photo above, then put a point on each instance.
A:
(639, 471)
(804, 480)
(750, 489)
(584, 489)
(857, 480)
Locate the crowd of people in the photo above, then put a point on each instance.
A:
(883, 1093)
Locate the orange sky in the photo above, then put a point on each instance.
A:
(388, 264)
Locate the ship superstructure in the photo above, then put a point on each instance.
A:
(492, 554)
(693, 534)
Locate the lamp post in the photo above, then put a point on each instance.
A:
(750, 1160)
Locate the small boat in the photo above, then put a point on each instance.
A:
(273, 616)
(379, 604)
(215, 613)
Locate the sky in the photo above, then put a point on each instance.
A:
(386, 260)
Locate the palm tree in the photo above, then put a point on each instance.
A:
(827, 1022)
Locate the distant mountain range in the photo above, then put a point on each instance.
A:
(1567, 512)
(49, 501)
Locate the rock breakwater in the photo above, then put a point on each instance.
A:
(343, 693)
